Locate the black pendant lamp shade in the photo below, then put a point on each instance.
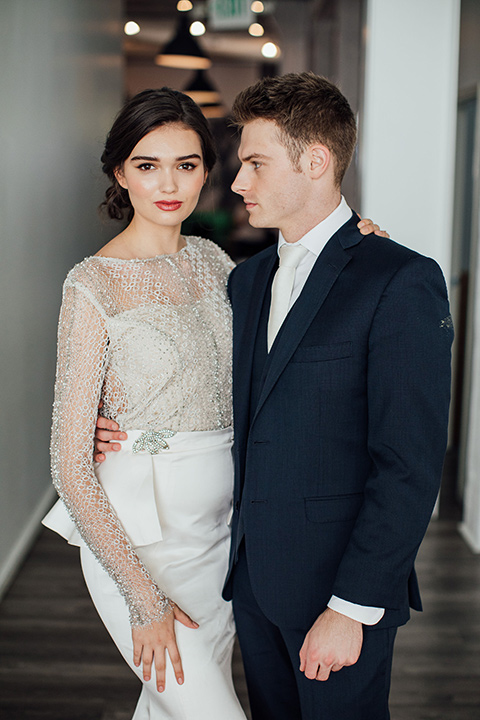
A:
(201, 90)
(183, 51)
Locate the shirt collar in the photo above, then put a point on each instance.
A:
(316, 238)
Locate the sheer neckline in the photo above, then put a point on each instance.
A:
(143, 260)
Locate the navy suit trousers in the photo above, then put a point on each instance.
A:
(279, 691)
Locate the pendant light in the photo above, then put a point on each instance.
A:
(201, 89)
(183, 51)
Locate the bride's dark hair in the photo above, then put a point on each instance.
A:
(145, 112)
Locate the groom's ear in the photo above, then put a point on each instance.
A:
(319, 159)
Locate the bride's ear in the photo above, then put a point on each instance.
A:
(120, 177)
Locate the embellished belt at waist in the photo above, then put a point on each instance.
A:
(153, 441)
(166, 441)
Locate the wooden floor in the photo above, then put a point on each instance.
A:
(57, 662)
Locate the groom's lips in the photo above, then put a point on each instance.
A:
(249, 205)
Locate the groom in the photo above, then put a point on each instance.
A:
(341, 393)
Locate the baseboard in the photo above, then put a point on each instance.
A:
(24, 542)
(467, 535)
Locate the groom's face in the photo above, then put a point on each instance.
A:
(273, 190)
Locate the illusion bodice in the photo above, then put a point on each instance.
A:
(151, 338)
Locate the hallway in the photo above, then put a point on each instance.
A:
(57, 662)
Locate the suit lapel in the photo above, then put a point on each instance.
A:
(244, 343)
(330, 263)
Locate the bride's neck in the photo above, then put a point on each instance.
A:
(143, 241)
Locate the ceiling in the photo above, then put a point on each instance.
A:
(153, 9)
(164, 9)
(158, 18)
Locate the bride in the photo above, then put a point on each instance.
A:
(145, 329)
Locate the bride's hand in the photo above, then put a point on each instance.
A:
(151, 641)
(367, 226)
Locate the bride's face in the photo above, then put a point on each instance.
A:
(164, 175)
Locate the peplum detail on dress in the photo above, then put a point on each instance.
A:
(151, 339)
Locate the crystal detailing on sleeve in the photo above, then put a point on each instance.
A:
(152, 339)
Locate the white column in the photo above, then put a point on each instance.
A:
(470, 526)
(408, 126)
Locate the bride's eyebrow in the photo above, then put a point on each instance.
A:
(151, 158)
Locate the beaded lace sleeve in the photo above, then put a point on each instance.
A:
(83, 349)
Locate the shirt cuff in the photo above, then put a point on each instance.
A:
(362, 613)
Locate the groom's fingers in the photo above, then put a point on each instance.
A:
(106, 423)
(324, 672)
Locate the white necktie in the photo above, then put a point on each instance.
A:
(282, 286)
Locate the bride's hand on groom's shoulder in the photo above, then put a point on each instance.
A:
(151, 641)
(367, 226)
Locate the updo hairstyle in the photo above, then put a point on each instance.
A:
(145, 112)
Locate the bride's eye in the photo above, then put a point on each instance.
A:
(145, 166)
(187, 166)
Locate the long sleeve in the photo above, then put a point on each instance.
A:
(83, 349)
(408, 399)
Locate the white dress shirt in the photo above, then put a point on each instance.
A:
(314, 241)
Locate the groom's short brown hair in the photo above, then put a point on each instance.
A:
(307, 109)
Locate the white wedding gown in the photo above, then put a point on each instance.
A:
(152, 339)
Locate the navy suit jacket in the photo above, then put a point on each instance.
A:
(337, 468)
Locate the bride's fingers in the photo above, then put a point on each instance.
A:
(160, 669)
(147, 663)
(176, 661)
(137, 653)
(184, 618)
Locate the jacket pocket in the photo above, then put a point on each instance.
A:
(321, 353)
(336, 508)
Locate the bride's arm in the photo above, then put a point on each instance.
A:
(82, 357)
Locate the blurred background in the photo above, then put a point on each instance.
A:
(411, 71)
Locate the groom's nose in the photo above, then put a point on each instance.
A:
(240, 184)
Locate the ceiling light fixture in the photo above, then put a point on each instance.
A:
(197, 28)
(201, 89)
(183, 51)
(256, 30)
(131, 28)
(184, 5)
(270, 50)
(257, 7)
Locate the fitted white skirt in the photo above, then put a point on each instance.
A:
(175, 508)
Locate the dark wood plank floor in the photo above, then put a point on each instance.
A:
(58, 663)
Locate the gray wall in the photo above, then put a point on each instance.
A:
(469, 70)
(469, 469)
(60, 86)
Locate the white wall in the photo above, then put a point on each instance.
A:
(60, 85)
(408, 128)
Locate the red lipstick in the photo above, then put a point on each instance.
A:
(169, 205)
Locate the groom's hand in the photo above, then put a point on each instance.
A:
(333, 642)
(106, 432)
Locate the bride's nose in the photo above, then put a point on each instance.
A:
(168, 183)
